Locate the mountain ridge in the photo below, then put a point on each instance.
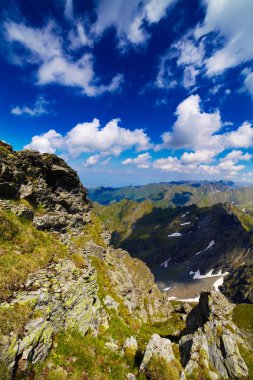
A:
(73, 307)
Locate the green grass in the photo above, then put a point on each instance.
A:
(91, 232)
(23, 250)
(243, 317)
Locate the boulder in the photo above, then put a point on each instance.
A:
(209, 349)
(160, 347)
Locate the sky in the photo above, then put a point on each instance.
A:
(131, 92)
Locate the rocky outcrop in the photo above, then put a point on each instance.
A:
(48, 184)
(210, 346)
(60, 297)
(160, 347)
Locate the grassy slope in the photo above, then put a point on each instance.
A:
(23, 250)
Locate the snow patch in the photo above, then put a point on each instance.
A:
(208, 247)
(175, 234)
(184, 215)
(157, 226)
(165, 263)
(198, 276)
(219, 282)
(184, 224)
(165, 289)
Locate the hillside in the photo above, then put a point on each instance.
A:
(184, 245)
(73, 307)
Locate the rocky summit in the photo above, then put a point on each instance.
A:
(73, 307)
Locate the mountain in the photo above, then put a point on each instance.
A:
(173, 194)
(186, 248)
(73, 307)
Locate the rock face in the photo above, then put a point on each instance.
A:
(60, 297)
(209, 349)
(48, 183)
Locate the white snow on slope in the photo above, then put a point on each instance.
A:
(219, 282)
(198, 276)
(176, 234)
(184, 224)
(165, 263)
(167, 288)
(208, 247)
(184, 215)
(157, 226)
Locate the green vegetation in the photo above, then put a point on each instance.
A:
(13, 318)
(159, 369)
(243, 317)
(91, 232)
(23, 250)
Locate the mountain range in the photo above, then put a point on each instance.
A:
(74, 307)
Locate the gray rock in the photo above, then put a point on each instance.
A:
(110, 303)
(157, 346)
(209, 346)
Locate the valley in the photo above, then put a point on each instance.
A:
(188, 248)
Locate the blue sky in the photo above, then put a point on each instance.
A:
(131, 92)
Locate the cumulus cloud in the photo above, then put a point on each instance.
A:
(39, 108)
(232, 21)
(201, 134)
(44, 48)
(91, 137)
(141, 161)
(48, 142)
(199, 130)
(193, 128)
(92, 160)
(129, 17)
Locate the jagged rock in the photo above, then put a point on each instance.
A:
(210, 346)
(44, 180)
(110, 303)
(65, 297)
(160, 347)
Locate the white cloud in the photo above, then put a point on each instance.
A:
(39, 108)
(141, 161)
(92, 160)
(193, 128)
(68, 10)
(91, 137)
(231, 20)
(165, 78)
(248, 80)
(129, 17)
(236, 155)
(201, 134)
(240, 138)
(189, 56)
(198, 130)
(189, 77)
(197, 157)
(44, 48)
(48, 142)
